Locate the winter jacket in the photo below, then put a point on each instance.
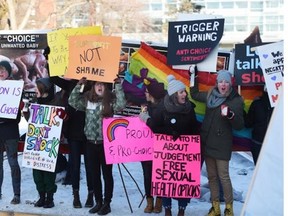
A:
(73, 128)
(216, 130)
(93, 118)
(174, 124)
(9, 128)
(258, 117)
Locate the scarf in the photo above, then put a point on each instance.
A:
(172, 106)
(215, 99)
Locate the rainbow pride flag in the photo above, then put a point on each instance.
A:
(156, 63)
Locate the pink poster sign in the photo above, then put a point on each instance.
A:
(127, 139)
(176, 166)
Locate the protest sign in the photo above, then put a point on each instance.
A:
(10, 95)
(176, 166)
(94, 57)
(42, 138)
(127, 139)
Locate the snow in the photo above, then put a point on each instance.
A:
(241, 172)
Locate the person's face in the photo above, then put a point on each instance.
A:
(223, 87)
(38, 94)
(99, 88)
(3, 73)
(148, 96)
(181, 96)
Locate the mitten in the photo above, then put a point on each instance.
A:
(193, 73)
(226, 112)
(144, 116)
(61, 113)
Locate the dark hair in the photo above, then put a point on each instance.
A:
(107, 99)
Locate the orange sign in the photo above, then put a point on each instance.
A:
(94, 57)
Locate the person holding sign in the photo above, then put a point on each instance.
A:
(224, 112)
(98, 103)
(175, 116)
(154, 93)
(9, 137)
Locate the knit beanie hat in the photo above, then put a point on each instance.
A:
(156, 89)
(174, 85)
(7, 66)
(224, 75)
(46, 82)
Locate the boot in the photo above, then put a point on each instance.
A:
(181, 212)
(41, 200)
(16, 199)
(168, 212)
(158, 205)
(76, 200)
(229, 210)
(49, 203)
(105, 209)
(90, 202)
(149, 207)
(97, 207)
(215, 209)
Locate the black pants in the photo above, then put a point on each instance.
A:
(255, 150)
(76, 147)
(97, 163)
(147, 174)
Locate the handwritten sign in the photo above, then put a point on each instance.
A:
(272, 64)
(10, 95)
(190, 42)
(176, 166)
(94, 57)
(127, 139)
(58, 41)
(42, 138)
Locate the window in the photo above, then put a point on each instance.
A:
(256, 6)
(213, 5)
(239, 4)
(227, 5)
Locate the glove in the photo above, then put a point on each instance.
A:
(83, 80)
(144, 116)
(226, 112)
(62, 114)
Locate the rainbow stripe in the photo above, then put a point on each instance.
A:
(114, 125)
(155, 62)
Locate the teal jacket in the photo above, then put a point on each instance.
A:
(93, 117)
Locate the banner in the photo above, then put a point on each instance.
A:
(127, 139)
(94, 57)
(42, 138)
(176, 166)
(190, 42)
(10, 95)
(272, 64)
(58, 42)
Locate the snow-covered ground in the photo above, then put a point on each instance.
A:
(241, 170)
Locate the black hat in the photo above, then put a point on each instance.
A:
(156, 89)
(45, 81)
(7, 66)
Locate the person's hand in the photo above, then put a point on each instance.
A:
(83, 80)
(62, 114)
(226, 112)
(144, 116)
(193, 73)
(118, 80)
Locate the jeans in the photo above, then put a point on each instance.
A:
(219, 169)
(96, 164)
(76, 147)
(182, 202)
(11, 147)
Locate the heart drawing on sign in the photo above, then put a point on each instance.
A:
(273, 78)
(265, 56)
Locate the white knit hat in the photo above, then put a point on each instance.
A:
(174, 85)
(224, 75)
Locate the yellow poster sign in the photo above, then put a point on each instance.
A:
(94, 57)
(59, 47)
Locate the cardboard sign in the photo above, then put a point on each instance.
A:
(190, 42)
(10, 96)
(272, 64)
(42, 138)
(176, 166)
(127, 139)
(94, 57)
